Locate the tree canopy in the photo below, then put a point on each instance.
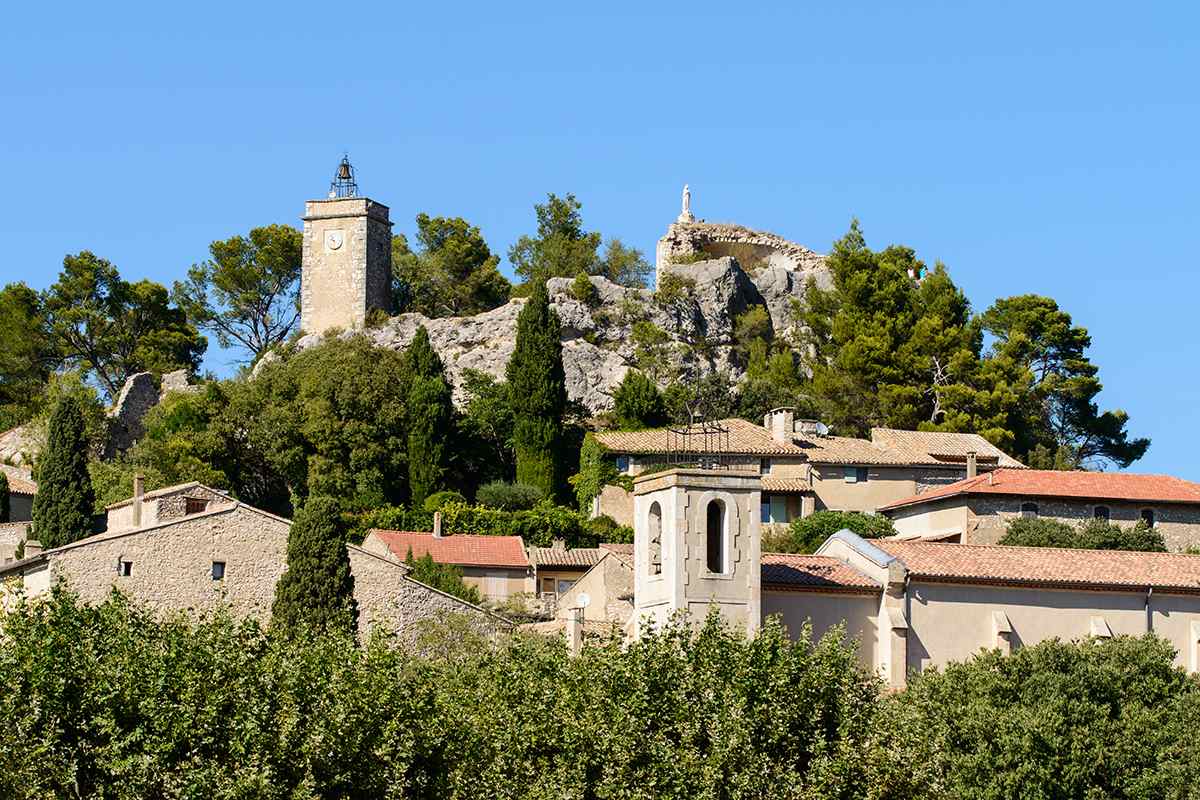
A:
(452, 272)
(563, 249)
(248, 292)
(111, 329)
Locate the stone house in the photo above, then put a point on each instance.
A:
(804, 469)
(908, 605)
(978, 510)
(495, 565)
(556, 569)
(227, 554)
(21, 490)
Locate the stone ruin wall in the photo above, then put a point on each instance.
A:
(754, 250)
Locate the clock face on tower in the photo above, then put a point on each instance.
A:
(334, 239)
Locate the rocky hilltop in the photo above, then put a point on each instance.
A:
(748, 269)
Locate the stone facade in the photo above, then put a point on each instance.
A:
(1178, 523)
(172, 566)
(347, 263)
(165, 504)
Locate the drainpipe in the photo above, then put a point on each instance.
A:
(1149, 612)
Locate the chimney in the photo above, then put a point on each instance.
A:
(972, 464)
(437, 524)
(32, 548)
(780, 422)
(139, 482)
(991, 478)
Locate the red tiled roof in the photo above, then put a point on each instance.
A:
(791, 571)
(1049, 566)
(460, 549)
(1053, 483)
(19, 481)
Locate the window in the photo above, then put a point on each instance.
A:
(194, 505)
(218, 570)
(764, 466)
(125, 569)
(856, 474)
(564, 585)
(623, 464)
(1101, 512)
(1029, 510)
(716, 537)
(1148, 517)
(765, 508)
(654, 557)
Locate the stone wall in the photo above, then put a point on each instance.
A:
(139, 394)
(989, 517)
(170, 568)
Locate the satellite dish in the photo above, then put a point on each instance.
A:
(583, 600)
(822, 429)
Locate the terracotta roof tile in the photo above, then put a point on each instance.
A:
(790, 571)
(622, 550)
(19, 480)
(461, 549)
(744, 437)
(563, 557)
(770, 484)
(1051, 566)
(1052, 483)
(938, 447)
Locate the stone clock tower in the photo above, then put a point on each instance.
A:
(347, 264)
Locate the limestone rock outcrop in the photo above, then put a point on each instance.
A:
(597, 346)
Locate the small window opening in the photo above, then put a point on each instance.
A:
(218, 570)
(716, 537)
(764, 466)
(655, 526)
(125, 569)
(623, 464)
(1148, 517)
(1101, 512)
(194, 505)
(1029, 510)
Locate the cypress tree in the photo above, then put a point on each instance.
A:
(62, 507)
(538, 386)
(4, 497)
(429, 414)
(317, 591)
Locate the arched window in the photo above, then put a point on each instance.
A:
(654, 524)
(1101, 512)
(1148, 517)
(1029, 510)
(716, 537)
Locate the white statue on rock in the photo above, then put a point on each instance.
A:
(685, 215)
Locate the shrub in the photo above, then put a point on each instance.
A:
(538, 526)
(443, 577)
(638, 404)
(439, 500)
(583, 290)
(62, 508)
(509, 496)
(317, 588)
(1096, 534)
(1112, 719)
(607, 529)
(596, 470)
(806, 534)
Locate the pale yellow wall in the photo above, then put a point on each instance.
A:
(931, 519)
(558, 574)
(339, 285)
(883, 485)
(609, 587)
(617, 503)
(856, 612)
(498, 583)
(952, 622)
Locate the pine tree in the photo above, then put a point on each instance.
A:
(429, 414)
(538, 387)
(317, 591)
(4, 497)
(62, 507)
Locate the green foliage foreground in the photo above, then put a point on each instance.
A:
(107, 702)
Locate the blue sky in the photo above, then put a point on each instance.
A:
(1032, 147)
